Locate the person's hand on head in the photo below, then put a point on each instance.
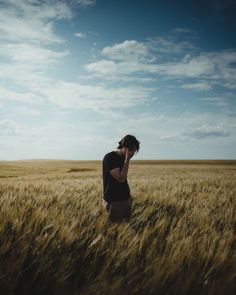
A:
(129, 153)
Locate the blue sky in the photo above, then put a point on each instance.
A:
(76, 76)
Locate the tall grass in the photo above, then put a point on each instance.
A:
(55, 237)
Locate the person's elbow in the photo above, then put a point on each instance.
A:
(115, 173)
(122, 179)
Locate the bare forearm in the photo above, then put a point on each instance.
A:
(124, 170)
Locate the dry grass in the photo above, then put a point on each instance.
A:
(55, 237)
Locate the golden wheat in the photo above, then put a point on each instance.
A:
(55, 237)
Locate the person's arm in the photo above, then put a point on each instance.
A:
(121, 174)
(124, 171)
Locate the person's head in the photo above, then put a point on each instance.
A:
(129, 142)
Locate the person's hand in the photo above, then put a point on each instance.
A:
(129, 154)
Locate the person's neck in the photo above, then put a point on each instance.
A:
(118, 152)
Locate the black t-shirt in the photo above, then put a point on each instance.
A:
(114, 190)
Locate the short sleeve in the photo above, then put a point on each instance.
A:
(110, 163)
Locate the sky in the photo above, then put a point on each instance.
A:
(77, 76)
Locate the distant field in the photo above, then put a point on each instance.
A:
(55, 237)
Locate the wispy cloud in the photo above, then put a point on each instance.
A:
(10, 127)
(206, 131)
(169, 46)
(33, 20)
(26, 32)
(225, 102)
(127, 51)
(183, 30)
(10, 95)
(80, 35)
(216, 100)
(197, 86)
(78, 3)
(230, 85)
(166, 57)
(35, 54)
(27, 51)
(198, 133)
(97, 98)
(131, 58)
(26, 111)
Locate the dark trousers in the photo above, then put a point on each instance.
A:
(118, 210)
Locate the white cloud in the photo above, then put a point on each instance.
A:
(79, 3)
(23, 110)
(225, 102)
(29, 21)
(195, 67)
(216, 100)
(169, 46)
(86, 3)
(9, 127)
(128, 50)
(74, 95)
(161, 133)
(173, 137)
(230, 85)
(110, 115)
(23, 52)
(188, 67)
(197, 86)
(10, 95)
(183, 30)
(131, 58)
(204, 131)
(103, 67)
(80, 35)
(26, 32)
(25, 74)
(25, 132)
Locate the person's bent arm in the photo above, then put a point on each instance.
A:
(124, 170)
(121, 174)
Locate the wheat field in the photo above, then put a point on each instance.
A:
(55, 237)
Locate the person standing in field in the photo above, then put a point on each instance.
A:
(117, 199)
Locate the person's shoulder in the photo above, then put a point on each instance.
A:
(108, 155)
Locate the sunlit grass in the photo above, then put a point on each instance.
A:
(55, 236)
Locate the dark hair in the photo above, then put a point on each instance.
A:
(129, 141)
